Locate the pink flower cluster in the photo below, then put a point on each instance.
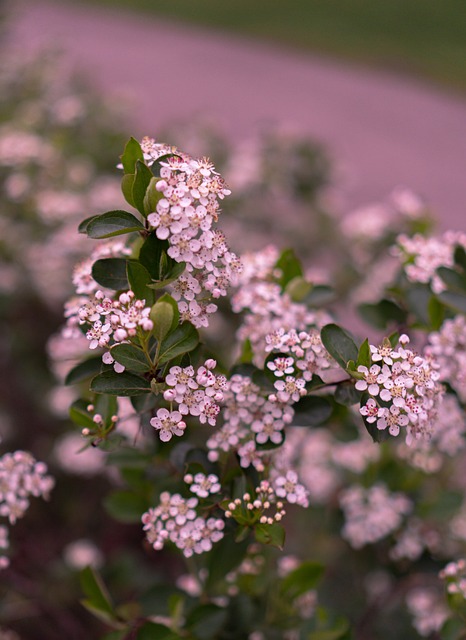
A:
(190, 190)
(175, 520)
(404, 388)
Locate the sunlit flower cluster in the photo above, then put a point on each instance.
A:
(175, 520)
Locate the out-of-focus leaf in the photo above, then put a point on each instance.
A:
(273, 534)
(290, 266)
(84, 370)
(302, 579)
(311, 411)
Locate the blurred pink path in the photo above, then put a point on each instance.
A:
(382, 130)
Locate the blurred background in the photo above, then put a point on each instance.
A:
(310, 109)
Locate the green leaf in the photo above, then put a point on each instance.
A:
(153, 255)
(84, 224)
(339, 344)
(80, 415)
(273, 534)
(311, 411)
(454, 280)
(460, 257)
(290, 266)
(84, 370)
(226, 555)
(436, 312)
(111, 273)
(382, 313)
(113, 223)
(320, 296)
(131, 155)
(453, 300)
(152, 196)
(171, 275)
(165, 316)
(130, 357)
(298, 288)
(142, 180)
(346, 394)
(98, 597)
(127, 183)
(206, 621)
(302, 579)
(364, 354)
(156, 631)
(417, 298)
(120, 384)
(183, 339)
(126, 506)
(138, 279)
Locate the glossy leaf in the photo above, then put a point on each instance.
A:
(111, 273)
(131, 154)
(183, 339)
(175, 271)
(165, 316)
(130, 357)
(84, 224)
(142, 179)
(80, 415)
(127, 183)
(311, 411)
(339, 344)
(113, 223)
(138, 279)
(364, 354)
(120, 384)
(153, 256)
(84, 370)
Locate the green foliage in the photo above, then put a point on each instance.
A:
(182, 340)
(120, 384)
(339, 344)
(131, 357)
(112, 223)
(110, 273)
(312, 411)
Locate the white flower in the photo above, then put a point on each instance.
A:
(168, 423)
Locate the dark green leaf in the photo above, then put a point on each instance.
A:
(120, 384)
(207, 620)
(320, 296)
(95, 590)
(364, 354)
(339, 344)
(127, 183)
(454, 280)
(225, 557)
(290, 266)
(153, 255)
(273, 534)
(175, 271)
(155, 631)
(436, 312)
(346, 394)
(126, 506)
(453, 300)
(142, 180)
(111, 273)
(80, 415)
(130, 357)
(152, 196)
(311, 411)
(131, 155)
(139, 278)
(84, 224)
(302, 579)
(460, 257)
(113, 223)
(417, 298)
(183, 339)
(84, 370)
(382, 313)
